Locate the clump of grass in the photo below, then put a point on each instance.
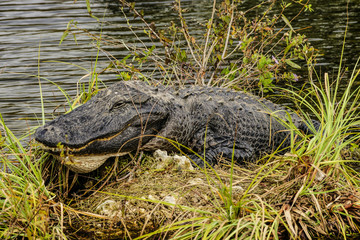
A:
(24, 199)
(28, 182)
(339, 122)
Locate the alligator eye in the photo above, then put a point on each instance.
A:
(118, 105)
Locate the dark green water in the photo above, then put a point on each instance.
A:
(26, 27)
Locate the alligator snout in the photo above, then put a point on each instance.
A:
(50, 136)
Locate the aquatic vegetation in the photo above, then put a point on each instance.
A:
(233, 48)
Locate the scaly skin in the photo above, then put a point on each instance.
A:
(133, 115)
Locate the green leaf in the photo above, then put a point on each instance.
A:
(225, 71)
(292, 64)
(287, 22)
(226, 19)
(288, 48)
(262, 62)
(245, 60)
(89, 10)
(68, 28)
(75, 38)
(63, 36)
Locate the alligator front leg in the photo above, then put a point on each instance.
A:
(212, 155)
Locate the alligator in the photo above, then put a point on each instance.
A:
(204, 122)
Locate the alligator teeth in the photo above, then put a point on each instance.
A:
(51, 149)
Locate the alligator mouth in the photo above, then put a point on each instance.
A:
(88, 156)
(83, 163)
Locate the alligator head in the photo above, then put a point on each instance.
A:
(114, 122)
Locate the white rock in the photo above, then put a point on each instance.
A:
(164, 160)
(320, 175)
(151, 197)
(237, 189)
(170, 199)
(109, 208)
(161, 155)
(196, 181)
(183, 163)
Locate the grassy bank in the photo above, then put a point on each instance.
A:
(300, 195)
(311, 192)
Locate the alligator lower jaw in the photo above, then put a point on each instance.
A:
(81, 163)
(85, 163)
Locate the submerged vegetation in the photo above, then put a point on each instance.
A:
(310, 192)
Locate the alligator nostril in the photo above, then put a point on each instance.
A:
(39, 134)
(42, 132)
